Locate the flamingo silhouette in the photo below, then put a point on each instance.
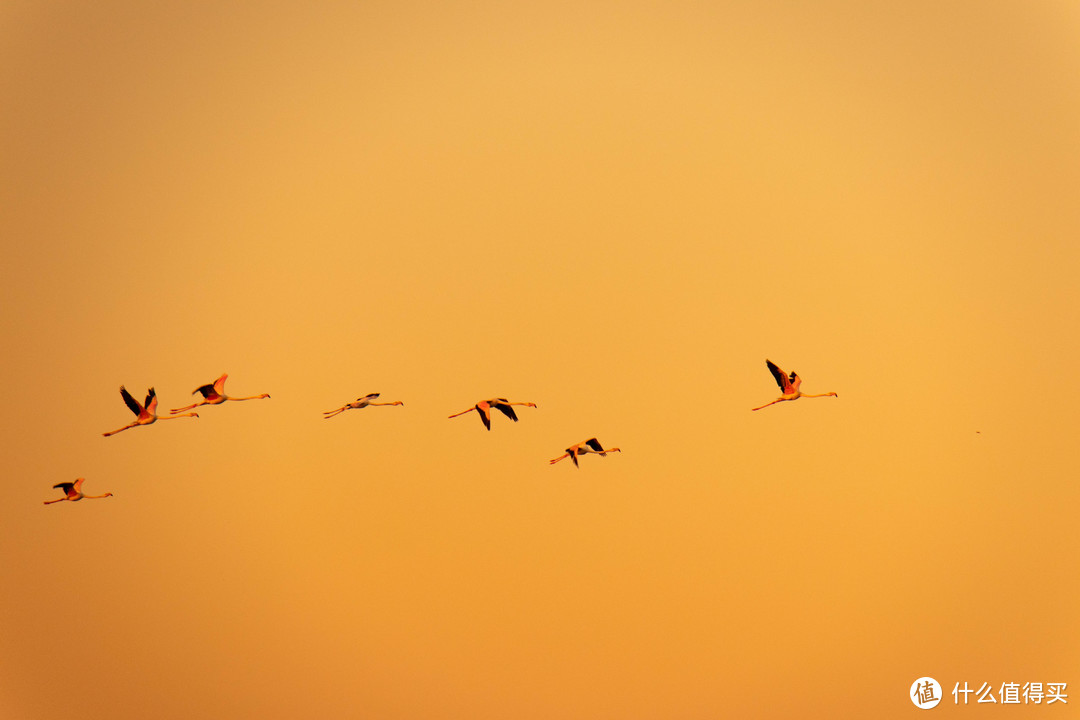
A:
(214, 394)
(144, 414)
(592, 445)
(501, 404)
(358, 403)
(73, 491)
(789, 385)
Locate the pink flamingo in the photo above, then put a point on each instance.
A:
(214, 394)
(592, 445)
(73, 491)
(502, 404)
(144, 414)
(357, 404)
(789, 386)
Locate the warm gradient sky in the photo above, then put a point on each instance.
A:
(616, 210)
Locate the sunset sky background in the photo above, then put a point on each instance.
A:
(617, 210)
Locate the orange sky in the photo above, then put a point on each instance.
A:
(616, 210)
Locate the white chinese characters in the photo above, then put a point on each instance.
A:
(1012, 693)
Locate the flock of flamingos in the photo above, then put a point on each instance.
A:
(214, 394)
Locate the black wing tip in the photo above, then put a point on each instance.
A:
(129, 400)
(507, 410)
(777, 373)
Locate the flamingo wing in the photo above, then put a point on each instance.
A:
(370, 396)
(206, 390)
(151, 401)
(219, 384)
(573, 455)
(66, 487)
(781, 378)
(131, 402)
(508, 411)
(485, 414)
(595, 445)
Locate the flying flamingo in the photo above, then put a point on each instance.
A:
(214, 394)
(357, 404)
(789, 386)
(502, 404)
(145, 414)
(592, 445)
(73, 491)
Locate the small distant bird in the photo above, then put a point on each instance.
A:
(214, 394)
(358, 403)
(73, 491)
(789, 385)
(592, 445)
(144, 414)
(502, 404)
